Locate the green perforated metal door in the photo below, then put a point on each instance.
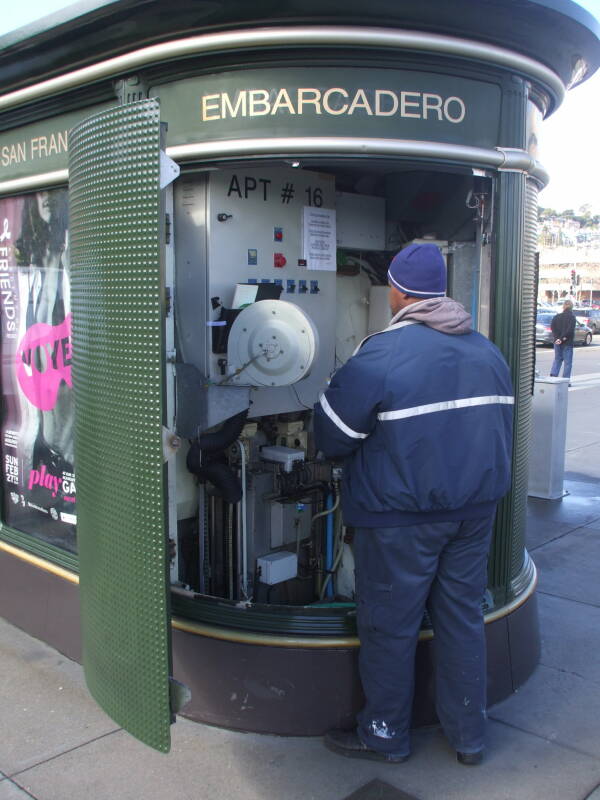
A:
(118, 363)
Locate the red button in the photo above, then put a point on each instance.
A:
(279, 260)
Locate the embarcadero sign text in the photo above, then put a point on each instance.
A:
(334, 101)
(331, 101)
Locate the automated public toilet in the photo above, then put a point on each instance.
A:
(198, 205)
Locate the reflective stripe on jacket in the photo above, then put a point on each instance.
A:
(423, 421)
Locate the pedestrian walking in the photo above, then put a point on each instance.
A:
(563, 330)
(421, 416)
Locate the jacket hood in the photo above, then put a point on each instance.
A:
(440, 313)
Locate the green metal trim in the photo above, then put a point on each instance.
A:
(293, 36)
(512, 334)
(526, 375)
(37, 547)
(117, 290)
(281, 620)
(341, 639)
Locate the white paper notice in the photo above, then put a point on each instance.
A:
(318, 238)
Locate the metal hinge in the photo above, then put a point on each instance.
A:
(169, 170)
(130, 90)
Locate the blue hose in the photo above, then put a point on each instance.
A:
(329, 546)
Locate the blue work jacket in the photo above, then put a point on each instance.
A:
(423, 423)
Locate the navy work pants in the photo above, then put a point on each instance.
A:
(399, 572)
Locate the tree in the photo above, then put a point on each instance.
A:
(585, 210)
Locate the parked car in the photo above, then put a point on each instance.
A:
(543, 331)
(589, 317)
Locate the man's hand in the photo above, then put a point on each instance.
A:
(558, 341)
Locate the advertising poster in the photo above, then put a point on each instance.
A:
(37, 412)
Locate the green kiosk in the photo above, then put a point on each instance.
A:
(198, 204)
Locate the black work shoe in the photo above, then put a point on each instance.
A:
(469, 759)
(348, 743)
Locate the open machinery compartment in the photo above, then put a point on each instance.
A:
(280, 273)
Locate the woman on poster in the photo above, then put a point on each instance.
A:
(43, 361)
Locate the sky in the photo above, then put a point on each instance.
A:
(569, 150)
(568, 139)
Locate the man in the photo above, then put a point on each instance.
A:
(563, 330)
(422, 416)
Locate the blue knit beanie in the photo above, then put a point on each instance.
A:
(419, 271)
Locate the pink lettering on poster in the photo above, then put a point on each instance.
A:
(43, 362)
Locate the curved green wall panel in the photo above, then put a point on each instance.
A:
(514, 313)
(118, 358)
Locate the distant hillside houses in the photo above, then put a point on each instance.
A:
(569, 256)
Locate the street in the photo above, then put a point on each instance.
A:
(583, 426)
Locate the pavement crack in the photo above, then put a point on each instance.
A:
(591, 794)
(63, 753)
(569, 599)
(570, 672)
(582, 447)
(566, 533)
(562, 745)
(21, 788)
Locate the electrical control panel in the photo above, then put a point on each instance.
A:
(270, 227)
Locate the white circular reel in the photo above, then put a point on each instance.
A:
(271, 343)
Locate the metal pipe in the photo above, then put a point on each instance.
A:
(504, 159)
(244, 523)
(338, 552)
(351, 145)
(203, 544)
(328, 585)
(238, 547)
(328, 510)
(43, 180)
(229, 513)
(211, 546)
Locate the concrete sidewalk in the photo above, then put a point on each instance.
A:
(543, 742)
